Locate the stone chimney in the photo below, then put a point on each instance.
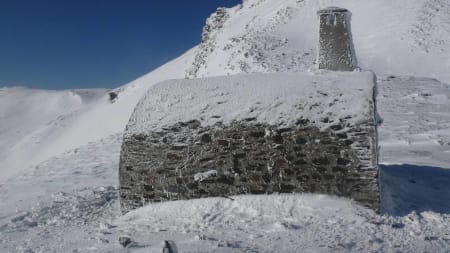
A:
(335, 42)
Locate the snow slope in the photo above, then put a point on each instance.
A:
(29, 116)
(37, 125)
(390, 37)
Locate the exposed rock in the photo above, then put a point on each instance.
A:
(213, 25)
(124, 241)
(170, 247)
(112, 96)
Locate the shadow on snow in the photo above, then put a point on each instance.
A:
(406, 188)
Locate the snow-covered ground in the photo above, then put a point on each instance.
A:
(58, 206)
(69, 202)
(415, 144)
(416, 121)
(59, 150)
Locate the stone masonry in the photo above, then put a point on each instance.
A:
(252, 134)
(335, 42)
(188, 161)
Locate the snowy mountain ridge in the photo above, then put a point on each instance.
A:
(29, 116)
(391, 38)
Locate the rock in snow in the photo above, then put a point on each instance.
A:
(124, 241)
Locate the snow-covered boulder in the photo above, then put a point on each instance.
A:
(252, 134)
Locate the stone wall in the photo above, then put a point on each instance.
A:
(252, 134)
(187, 161)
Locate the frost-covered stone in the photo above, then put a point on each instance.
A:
(252, 134)
(205, 175)
(213, 25)
(335, 43)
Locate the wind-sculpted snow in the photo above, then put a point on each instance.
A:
(29, 116)
(54, 207)
(282, 223)
(36, 125)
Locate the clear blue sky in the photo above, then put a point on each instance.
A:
(61, 44)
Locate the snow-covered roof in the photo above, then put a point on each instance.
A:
(277, 99)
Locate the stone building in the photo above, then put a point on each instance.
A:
(258, 133)
(252, 134)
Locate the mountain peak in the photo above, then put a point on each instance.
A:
(282, 36)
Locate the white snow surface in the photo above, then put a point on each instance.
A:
(29, 116)
(36, 125)
(277, 99)
(59, 150)
(204, 175)
(415, 124)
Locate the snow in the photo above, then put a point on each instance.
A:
(416, 121)
(48, 123)
(205, 175)
(59, 150)
(29, 116)
(279, 223)
(277, 99)
(390, 37)
(73, 206)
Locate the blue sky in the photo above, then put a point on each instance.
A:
(62, 44)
